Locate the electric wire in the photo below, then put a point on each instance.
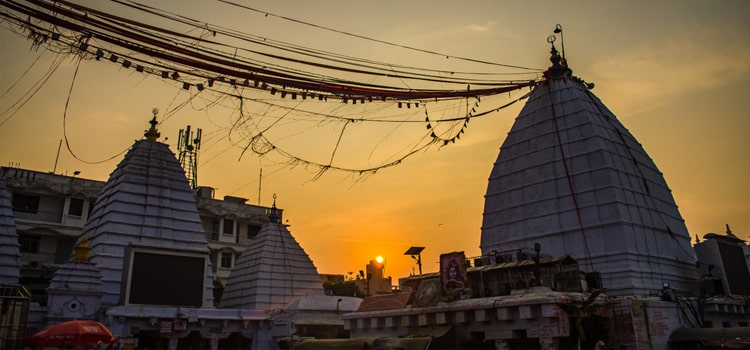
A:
(65, 129)
(212, 64)
(371, 39)
(29, 94)
(217, 30)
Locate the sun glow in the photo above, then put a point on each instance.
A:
(379, 259)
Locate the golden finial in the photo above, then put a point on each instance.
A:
(153, 134)
(82, 250)
(274, 214)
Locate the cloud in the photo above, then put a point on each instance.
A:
(487, 26)
(649, 76)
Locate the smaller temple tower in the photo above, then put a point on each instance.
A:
(272, 271)
(75, 291)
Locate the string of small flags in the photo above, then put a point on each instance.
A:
(457, 135)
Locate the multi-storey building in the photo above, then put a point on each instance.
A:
(51, 209)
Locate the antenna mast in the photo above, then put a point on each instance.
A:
(187, 148)
(57, 156)
(260, 183)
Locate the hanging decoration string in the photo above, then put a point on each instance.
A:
(207, 63)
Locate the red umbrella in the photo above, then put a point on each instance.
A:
(71, 333)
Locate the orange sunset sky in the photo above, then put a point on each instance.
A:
(674, 72)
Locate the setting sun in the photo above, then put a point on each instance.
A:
(379, 259)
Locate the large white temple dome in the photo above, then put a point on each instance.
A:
(571, 178)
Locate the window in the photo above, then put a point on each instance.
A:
(228, 227)
(212, 226)
(25, 203)
(252, 230)
(226, 260)
(29, 244)
(76, 207)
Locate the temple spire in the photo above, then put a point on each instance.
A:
(152, 134)
(275, 214)
(559, 66)
(82, 250)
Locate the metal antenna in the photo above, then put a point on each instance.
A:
(187, 148)
(558, 29)
(260, 183)
(54, 170)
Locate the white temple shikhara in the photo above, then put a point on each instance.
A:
(272, 270)
(571, 178)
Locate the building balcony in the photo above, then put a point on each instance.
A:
(40, 216)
